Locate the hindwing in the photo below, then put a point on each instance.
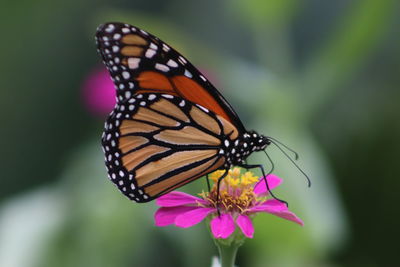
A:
(155, 143)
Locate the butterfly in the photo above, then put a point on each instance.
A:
(170, 125)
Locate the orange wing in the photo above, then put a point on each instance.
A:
(141, 63)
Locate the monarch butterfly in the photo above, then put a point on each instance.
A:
(170, 125)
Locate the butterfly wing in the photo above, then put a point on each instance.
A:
(154, 143)
(141, 63)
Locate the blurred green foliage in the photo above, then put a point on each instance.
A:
(320, 76)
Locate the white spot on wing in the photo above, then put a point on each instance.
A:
(203, 108)
(133, 62)
(166, 48)
(150, 53)
(126, 75)
(168, 96)
(110, 28)
(153, 46)
(182, 60)
(162, 67)
(117, 36)
(172, 63)
(188, 74)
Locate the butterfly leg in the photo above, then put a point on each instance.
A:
(208, 183)
(265, 179)
(218, 187)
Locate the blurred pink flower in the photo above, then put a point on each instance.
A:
(98, 92)
(241, 197)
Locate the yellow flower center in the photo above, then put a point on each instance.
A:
(236, 190)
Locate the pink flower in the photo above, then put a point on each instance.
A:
(98, 92)
(241, 197)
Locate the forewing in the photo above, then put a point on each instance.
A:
(141, 63)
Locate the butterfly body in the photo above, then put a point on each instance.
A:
(170, 125)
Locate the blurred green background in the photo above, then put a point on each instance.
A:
(321, 76)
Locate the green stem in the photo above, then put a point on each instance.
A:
(227, 254)
(228, 247)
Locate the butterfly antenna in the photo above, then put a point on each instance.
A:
(272, 163)
(276, 143)
(296, 155)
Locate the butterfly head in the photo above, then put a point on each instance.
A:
(256, 141)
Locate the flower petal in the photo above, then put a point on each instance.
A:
(245, 224)
(176, 198)
(192, 217)
(273, 182)
(222, 226)
(166, 215)
(279, 209)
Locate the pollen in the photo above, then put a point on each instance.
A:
(233, 182)
(216, 175)
(248, 178)
(235, 193)
(235, 172)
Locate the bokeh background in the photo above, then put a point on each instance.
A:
(321, 76)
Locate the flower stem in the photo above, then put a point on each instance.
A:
(228, 248)
(227, 253)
